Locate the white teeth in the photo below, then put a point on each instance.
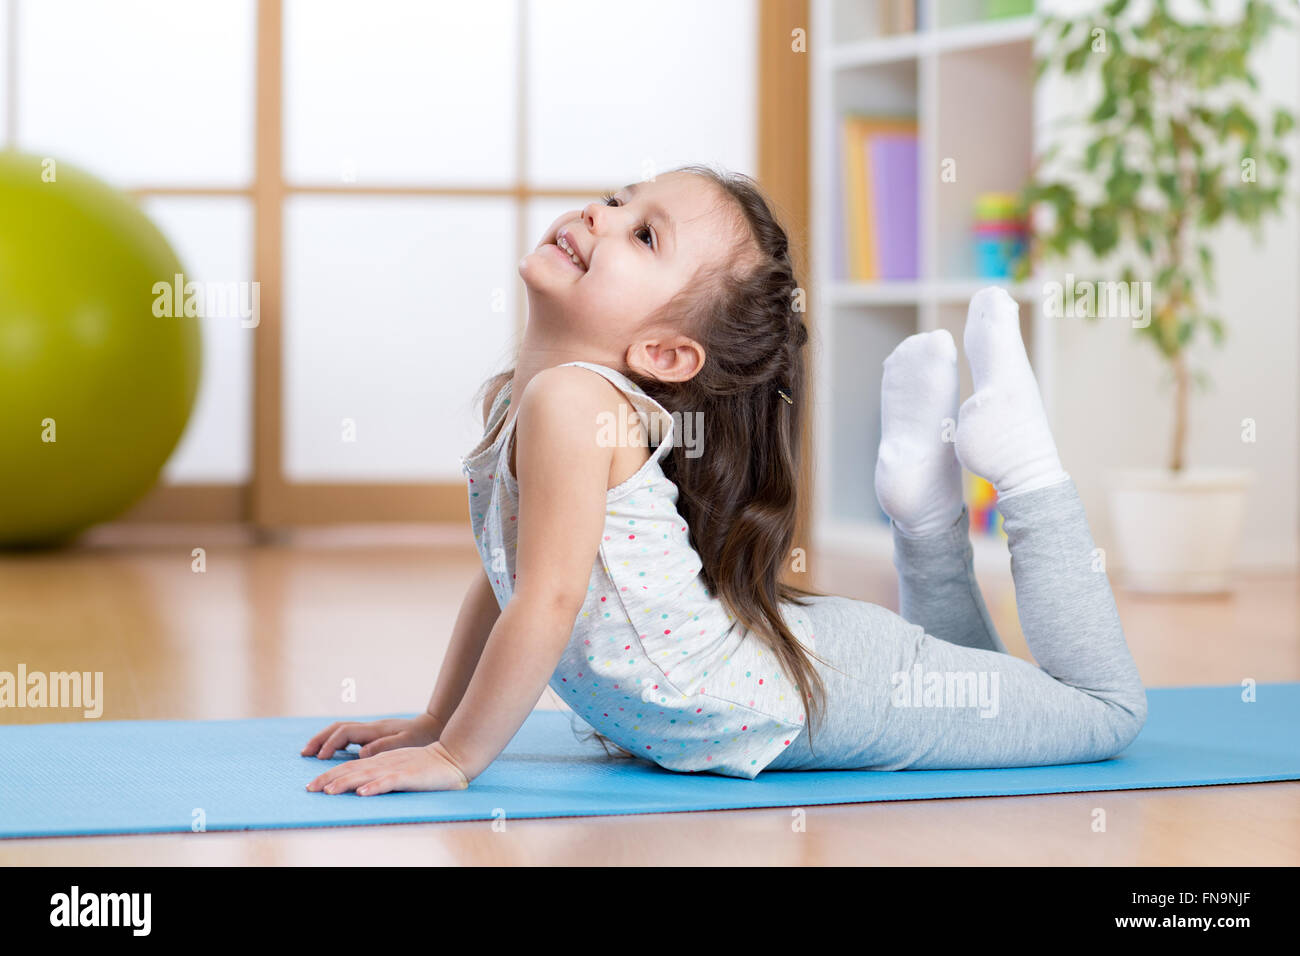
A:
(563, 243)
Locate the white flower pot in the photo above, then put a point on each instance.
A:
(1177, 532)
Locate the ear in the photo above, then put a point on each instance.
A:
(676, 359)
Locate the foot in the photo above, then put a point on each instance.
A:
(1002, 429)
(918, 479)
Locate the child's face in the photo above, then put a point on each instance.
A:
(637, 252)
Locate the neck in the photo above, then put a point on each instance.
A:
(543, 348)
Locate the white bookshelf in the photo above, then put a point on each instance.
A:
(969, 82)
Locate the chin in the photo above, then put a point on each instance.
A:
(542, 285)
(544, 281)
(532, 271)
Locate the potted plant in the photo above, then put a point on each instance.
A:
(1171, 146)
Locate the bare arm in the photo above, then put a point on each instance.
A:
(563, 477)
(478, 613)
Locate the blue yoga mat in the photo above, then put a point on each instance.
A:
(152, 776)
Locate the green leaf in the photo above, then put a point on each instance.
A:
(1239, 122)
(1211, 209)
(1123, 184)
(1103, 231)
(1217, 333)
(1207, 263)
(1106, 109)
(1168, 184)
(1283, 123)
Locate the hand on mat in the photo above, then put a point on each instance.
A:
(410, 768)
(376, 736)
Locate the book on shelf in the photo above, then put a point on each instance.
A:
(878, 219)
(897, 16)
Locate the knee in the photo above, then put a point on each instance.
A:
(1130, 716)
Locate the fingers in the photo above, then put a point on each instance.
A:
(365, 777)
(344, 778)
(412, 768)
(393, 742)
(338, 736)
(384, 784)
(357, 780)
(314, 744)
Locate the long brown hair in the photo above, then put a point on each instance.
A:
(740, 497)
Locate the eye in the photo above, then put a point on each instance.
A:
(609, 199)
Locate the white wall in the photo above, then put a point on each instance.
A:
(1114, 403)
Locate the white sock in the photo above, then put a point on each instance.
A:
(1002, 429)
(918, 478)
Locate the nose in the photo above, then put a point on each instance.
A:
(593, 214)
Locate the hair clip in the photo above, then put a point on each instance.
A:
(781, 392)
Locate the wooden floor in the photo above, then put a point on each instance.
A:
(274, 630)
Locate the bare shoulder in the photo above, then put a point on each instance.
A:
(584, 413)
(573, 388)
(565, 403)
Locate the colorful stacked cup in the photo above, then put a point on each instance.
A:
(999, 235)
(981, 507)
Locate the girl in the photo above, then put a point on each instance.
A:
(631, 555)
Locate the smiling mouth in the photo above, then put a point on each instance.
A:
(565, 246)
(568, 257)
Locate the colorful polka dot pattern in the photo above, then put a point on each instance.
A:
(655, 662)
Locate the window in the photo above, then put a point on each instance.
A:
(379, 168)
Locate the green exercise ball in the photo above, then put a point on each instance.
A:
(95, 389)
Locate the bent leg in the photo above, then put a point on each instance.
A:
(899, 698)
(1067, 610)
(937, 588)
(918, 484)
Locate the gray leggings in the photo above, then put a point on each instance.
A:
(935, 687)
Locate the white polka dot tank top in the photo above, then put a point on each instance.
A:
(655, 663)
